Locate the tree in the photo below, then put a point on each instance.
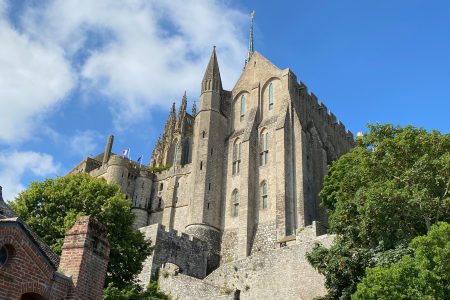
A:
(51, 207)
(133, 292)
(387, 190)
(424, 275)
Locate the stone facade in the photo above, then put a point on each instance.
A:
(242, 173)
(29, 269)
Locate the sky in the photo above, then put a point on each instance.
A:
(74, 71)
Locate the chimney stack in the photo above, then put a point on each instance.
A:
(84, 257)
(108, 148)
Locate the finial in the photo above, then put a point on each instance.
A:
(194, 109)
(250, 42)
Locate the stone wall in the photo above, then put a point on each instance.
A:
(180, 286)
(187, 252)
(281, 273)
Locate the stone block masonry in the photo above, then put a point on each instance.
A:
(188, 253)
(281, 273)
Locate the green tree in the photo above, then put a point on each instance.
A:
(387, 190)
(133, 292)
(424, 275)
(51, 207)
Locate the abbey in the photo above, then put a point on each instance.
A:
(240, 175)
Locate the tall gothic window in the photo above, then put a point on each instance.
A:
(264, 148)
(242, 108)
(236, 157)
(185, 159)
(235, 203)
(270, 96)
(264, 197)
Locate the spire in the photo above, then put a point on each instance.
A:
(182, 112)
(194, 109)
(211, 80)
(250, 42)
(183, 103)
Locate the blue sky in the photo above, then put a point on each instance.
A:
(73, 72)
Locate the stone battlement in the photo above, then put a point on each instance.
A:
(320, 112)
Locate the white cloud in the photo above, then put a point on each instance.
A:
(14, 165)
(138, 53)
(85, 143)
(146, 53)
(33, 78)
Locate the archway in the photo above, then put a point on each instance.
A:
(32, 296)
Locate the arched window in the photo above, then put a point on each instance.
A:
(236, 157)
(242, 108)
(264, 148)
(235, 203)
(271, 96)
(264, 197)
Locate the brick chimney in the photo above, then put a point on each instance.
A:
(85, 255)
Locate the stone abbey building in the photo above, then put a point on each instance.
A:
(241, 177)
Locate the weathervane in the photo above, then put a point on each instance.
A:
(250, 42)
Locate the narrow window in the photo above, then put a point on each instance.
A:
(201, 165)
(264, 197)
(264, 148)
(242, 108)
(209, 186)
(208, 205)
(270, 96)
(236, 157)
(211, 151)
(235, 203)
(204, 134)
(175, 155)
(159, 203)
(161, 186)
(186, 152)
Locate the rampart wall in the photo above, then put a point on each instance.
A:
(187, 252)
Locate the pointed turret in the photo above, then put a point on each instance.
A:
(194, 109)
(182, 113)
(211, 80)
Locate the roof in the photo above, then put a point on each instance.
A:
(212, 70)
(7, 216)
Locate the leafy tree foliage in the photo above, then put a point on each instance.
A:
(51, 207)
(387, 190)
(134, 292)
(425, 275)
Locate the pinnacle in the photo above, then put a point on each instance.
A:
(212, 71)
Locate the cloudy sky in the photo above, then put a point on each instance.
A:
(73, 72)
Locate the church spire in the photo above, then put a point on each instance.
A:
(250, 42)
(194, 109)
(211, 79)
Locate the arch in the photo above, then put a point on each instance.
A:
(238, 114)
(235, 203)
(269, 94)
(31, 296)
(264, 195)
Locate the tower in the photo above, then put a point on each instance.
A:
(207, 163)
